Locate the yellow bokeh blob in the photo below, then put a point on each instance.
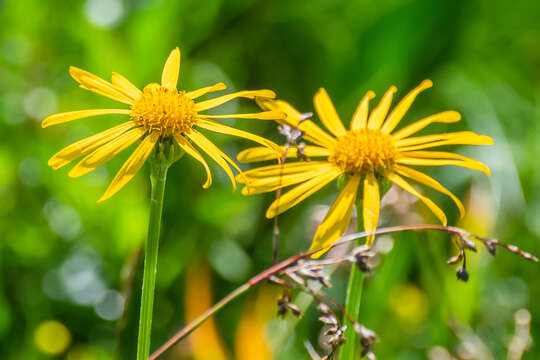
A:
(81, 352)
(52, 337)
(410, 305)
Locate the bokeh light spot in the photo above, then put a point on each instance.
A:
(40, 102)
(229, 260)
(52, 337)
(104, 13)
(410, 305)
(63, 219)
(82, 352)
(30, 171)
(111, 306)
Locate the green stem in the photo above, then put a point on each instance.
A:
(158, 178)
(349, 350)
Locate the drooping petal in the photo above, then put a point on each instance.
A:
(267, 184)
(371, 205)
(399, 181)
(457, 160)
(205, 90)
(403, 106)
(190, 150)
(327, 113)
(79, 114)
(442, 117)
(106, 152)
(455, 138)
(224, 129)
(360, 116)
(283, 169)
(265, 115)
(127, 86)
(171, 70)
(312, 131)
(131, 166)
(300, 192)
(248, 94)
(215, 153)
(337, 219)
(96, 84)
(263, 154)
(89, 144)
(379, 113)
(429, 181)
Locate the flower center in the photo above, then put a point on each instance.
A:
(364, 150)
(168, 111)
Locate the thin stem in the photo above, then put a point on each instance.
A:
(353, 299)
(158, 177)
(303, 300)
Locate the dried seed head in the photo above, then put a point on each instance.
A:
(328, 320)
(291, 134)
(468, 244)
(462, 274)
(454, 259)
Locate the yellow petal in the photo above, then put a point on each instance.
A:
(429, 181)
(224, 129)
(285, 169)
(455, 138)
(87, 145)
(399, 181)
(215, 153)
(152, 87)
(337, 219)
(327, 113)
(403, 106)
(293, 115)
(300, 192)
(96, 84)
(131, 166)
(171, 70)
(465, 140)
(442, 117)
(248, 94)
(359, 119)
(79, 114)
(190, 150)
(379, 113)
(312, 132)
(371, 204)
(126, 86)
(106, 152)
(262, 153)
(272, 183)
(205, 90)
(265, 115)
(466, 163)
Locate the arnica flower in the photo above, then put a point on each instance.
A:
(156, 113)
(368, 152)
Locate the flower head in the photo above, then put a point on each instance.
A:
(157, 113)
(369, 151)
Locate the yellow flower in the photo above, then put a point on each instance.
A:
(369, 151)
(156, 113)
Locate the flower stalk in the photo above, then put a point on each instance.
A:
(355, 287)
(163, 156)
(353, 299)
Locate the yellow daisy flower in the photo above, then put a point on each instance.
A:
(369, 151)
(156, 113)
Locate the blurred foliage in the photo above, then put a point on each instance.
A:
(68, 264)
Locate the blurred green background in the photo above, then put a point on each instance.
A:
(69, 267)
